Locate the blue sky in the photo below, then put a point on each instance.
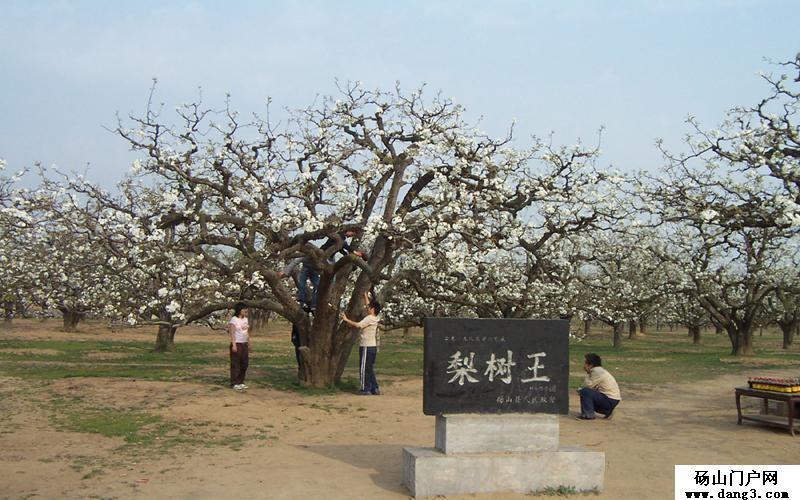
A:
(637, 68)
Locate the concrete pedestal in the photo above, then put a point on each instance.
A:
(476, 433)
(486, 453)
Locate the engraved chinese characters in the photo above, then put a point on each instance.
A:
(495, 366)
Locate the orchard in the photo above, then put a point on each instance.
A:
(446, 221)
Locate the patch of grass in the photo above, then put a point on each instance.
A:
(141, 429)
(667, 357)
(61, 371)
(133, 426)
(657, 358)
(327, 407)
(80, 462)
(73, 359)
(563, 491)
(285, 379)
(93, 473)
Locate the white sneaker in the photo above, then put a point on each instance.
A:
(244, 386)
(238, 387)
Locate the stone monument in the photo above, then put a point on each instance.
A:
(496, 388)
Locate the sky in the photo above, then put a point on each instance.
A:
(635, 68)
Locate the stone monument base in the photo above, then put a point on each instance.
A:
(505, 467)
(429, 472)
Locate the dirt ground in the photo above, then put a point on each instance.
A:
(346, 446)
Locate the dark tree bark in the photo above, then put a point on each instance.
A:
(789, 318)
(632, 329)
(258, 319)
(71, 318)
(20, 310)
(8, 313)
(788, 328)
(694, 332)
(642, 324)
(165, 339)
(740, 334)
(618, 334)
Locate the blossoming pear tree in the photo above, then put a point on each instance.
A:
(523, 267)
(153, 276)
(717, 234)
(764, 140)
(12, 266)
(401, 170)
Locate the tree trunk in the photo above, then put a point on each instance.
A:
(642, 324)
(788, 328)
(319, 358)
(718, 329)
(618, 334)
(694, 332)
(71, 319)
(8, 313)
(586, 325)
(20, 310)
(740, 334)
(165, 341)
(326, 342)
(632, 329)
(258, 319)
(346, 335)
(406, 332)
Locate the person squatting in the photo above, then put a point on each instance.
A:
(599, 392)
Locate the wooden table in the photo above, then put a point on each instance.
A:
(786, 422)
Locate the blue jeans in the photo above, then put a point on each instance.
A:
(303, 296)
(366, 363)
(595, 401)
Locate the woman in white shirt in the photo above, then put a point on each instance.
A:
(238, 329)
(368, 346)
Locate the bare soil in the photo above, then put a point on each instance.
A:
(340, 446)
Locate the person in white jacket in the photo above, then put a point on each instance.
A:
(239, 331)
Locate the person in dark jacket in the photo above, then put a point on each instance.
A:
(308, 299)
